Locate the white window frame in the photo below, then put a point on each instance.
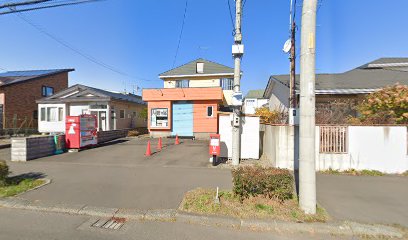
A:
(200, 67)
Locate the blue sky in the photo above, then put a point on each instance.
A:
(139, 38)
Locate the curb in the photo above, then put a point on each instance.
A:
(172, 215)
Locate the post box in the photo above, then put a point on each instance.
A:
(80, 131)
(214, 148)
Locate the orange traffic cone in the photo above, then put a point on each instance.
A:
(177, 140)
(148, 150)
(159, 144)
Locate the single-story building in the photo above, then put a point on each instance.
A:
(20, 89)
(190, 100)
(352, 85)
(253, 100)
(113, 110)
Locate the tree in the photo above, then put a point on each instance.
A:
(143, 114)
(386, 106)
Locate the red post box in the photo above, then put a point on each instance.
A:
(214, 147)
(80, 131)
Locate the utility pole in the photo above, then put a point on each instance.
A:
(292, 82)
(237, 51)
(307, 172)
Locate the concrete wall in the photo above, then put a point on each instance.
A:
(28, 148)
(382, 148)
(105, 136)
(277, 144)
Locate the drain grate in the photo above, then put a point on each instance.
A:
(112, 223)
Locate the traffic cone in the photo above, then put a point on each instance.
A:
(148, 150)
(159, 144)
(177, 140)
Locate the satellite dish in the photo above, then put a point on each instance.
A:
(287, 46)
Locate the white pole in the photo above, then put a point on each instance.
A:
(307, 173)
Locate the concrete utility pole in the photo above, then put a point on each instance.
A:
(307, 172)
(236, 126)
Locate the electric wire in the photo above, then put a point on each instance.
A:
(181, 34)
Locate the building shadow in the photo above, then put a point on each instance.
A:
(21, 177)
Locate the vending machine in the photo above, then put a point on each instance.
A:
(80, 131)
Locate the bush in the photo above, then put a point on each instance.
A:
(268, 182)
(4, 171)
(277, 116)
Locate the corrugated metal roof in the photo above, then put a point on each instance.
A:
(360, 78)
(189, 69)
(80, 92)
(12, 77)
(255, 93)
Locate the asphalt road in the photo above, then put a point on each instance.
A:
(119, 176)
(30, 225)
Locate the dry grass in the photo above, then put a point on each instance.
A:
(201, 201)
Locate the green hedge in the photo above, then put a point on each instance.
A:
(4, 171)
(268, 182)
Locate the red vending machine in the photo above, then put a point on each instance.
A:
(80, 131)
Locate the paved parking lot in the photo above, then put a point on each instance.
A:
(119, 175)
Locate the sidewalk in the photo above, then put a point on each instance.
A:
(345, 228)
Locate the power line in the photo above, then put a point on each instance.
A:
(232, 18)
(14, 9)
(77, 51)
(181, 33)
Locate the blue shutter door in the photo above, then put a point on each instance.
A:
(182, 119)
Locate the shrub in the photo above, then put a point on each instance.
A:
(4, 171)
(268, 182)
(277, 116)
(386, 106)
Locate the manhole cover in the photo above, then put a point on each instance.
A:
(112, 223)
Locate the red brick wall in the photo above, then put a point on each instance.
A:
(20, 98)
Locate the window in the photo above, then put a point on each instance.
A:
(52, 114)
(210, 111)
(250, 102)
(122, 114)
(182, 83)
(159, 117)
(42, 114)
(60, 114)
(227, 83)
(200, 67)
(47, 91)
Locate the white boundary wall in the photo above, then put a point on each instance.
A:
(382, 148)
(249, 137)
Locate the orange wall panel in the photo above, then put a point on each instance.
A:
(203, 123)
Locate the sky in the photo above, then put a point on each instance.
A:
(138, 38)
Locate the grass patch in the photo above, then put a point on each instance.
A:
(201, 201)
(354, 172)
(13, 188)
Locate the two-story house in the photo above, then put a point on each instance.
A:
(190, 100)
(20, 89)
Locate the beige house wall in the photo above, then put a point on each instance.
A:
(129, 121)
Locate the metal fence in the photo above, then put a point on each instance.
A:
(333, 139)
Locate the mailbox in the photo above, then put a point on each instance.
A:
(215, 144)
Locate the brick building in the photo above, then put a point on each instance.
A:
(19, 91)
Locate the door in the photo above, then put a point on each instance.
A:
(102, 120)
(182, 119)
